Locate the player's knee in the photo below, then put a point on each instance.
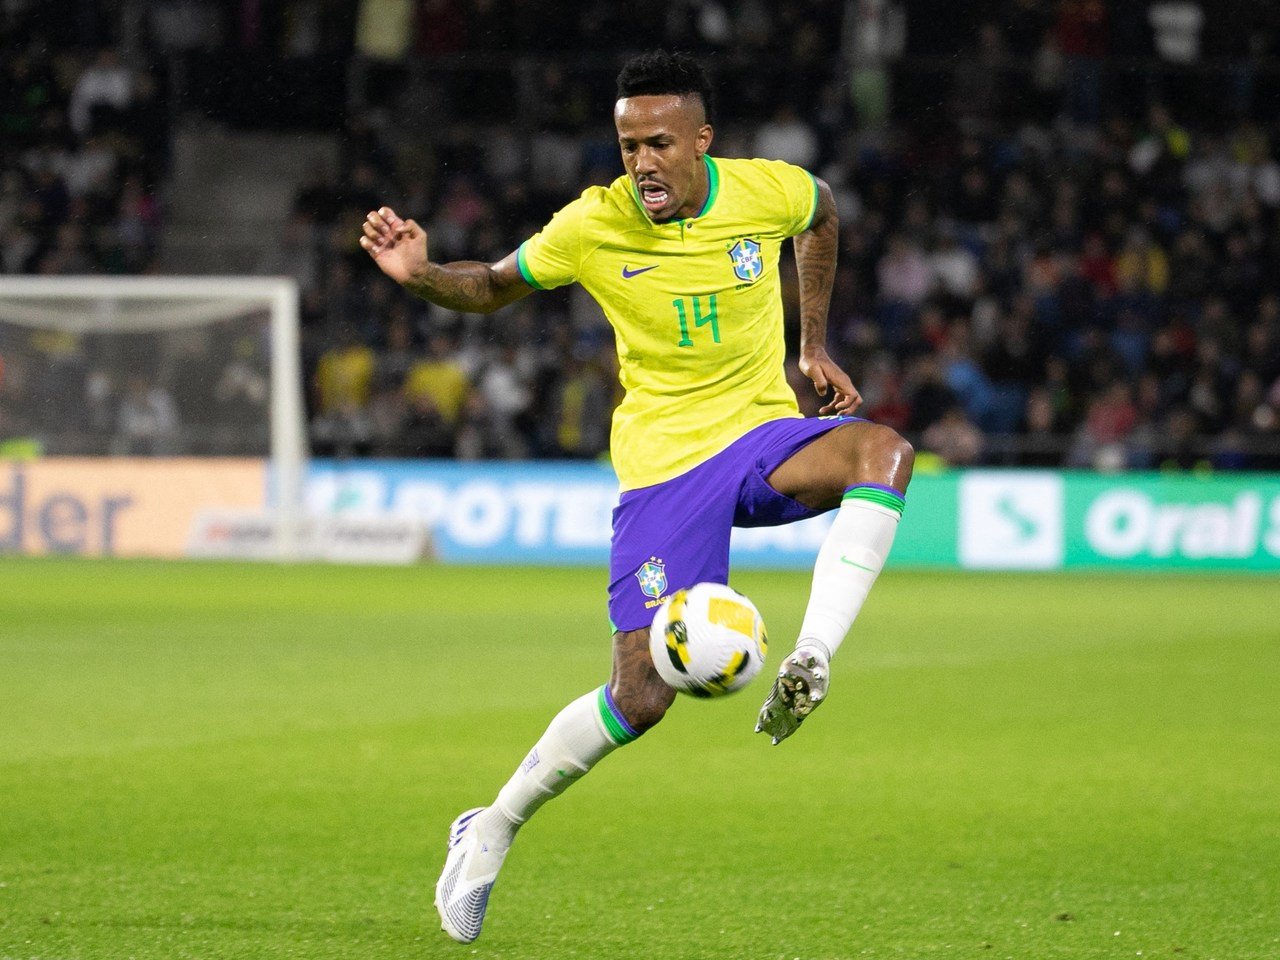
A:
(885, 455)
(902, 455)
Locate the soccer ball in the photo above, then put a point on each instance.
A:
(708, 640)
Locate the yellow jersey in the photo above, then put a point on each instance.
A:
(443, 382)
(695, 304)
(344, 378)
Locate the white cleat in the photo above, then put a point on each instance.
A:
(801, 686)
(470, 870)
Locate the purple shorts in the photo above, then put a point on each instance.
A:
(675, 534)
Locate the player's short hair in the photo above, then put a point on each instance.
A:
(662, 72)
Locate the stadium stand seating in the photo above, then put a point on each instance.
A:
(1059, 230)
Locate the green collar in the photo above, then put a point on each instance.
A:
(713, 185)
(713, 190)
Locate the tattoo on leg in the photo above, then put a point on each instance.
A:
(636, 687)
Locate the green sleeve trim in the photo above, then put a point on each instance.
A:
(523, 264)
(816, 198)
(880, 496)
(616, 726)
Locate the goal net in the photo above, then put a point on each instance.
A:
(152, 367)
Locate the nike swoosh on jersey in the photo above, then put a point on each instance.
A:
(628, 273)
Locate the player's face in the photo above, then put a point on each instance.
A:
(663, 138)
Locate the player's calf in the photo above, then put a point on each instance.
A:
(641, 695)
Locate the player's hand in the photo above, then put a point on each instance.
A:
(398, 247)
(827, 376)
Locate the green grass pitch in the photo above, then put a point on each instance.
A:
(224, 761)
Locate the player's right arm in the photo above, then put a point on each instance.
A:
(399, 248)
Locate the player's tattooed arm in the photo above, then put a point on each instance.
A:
(399, 248)
(816, 265)
(469, 285)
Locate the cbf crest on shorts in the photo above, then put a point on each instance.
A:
(653, 580)
(747, 262)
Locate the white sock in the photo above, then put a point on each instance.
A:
(851, 558)
(580, 736)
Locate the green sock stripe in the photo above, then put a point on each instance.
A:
(615, 724)
(880, 496)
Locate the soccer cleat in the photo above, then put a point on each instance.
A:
(462, 892)
(801, 686)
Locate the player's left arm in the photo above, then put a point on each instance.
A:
(816, 264)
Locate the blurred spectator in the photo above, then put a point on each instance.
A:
(954, 268)
(903, 273)
(436, 389)
(1100, 442)
(242, 390)
(786, 137)
(1044, 426)
(426, 431)
(69, 254)
(101, 95)
(26, 93)
(1141, 265)
(147, 421)
(1081, 35)
(954, 438)
(1178, 449)
(90, 169)
(1177, 25)
(884, 400)
(135, 230)
(384, 29)
(343, 384)
(502, 400)
(874, 36)
(928, 395)
(580, 400)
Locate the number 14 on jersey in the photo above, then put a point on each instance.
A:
(695, 306)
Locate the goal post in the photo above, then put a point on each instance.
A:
(173, 323)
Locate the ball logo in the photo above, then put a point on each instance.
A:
(677, 633)
(747, 262)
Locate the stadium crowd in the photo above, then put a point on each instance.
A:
(83, 142)
(1059, 239)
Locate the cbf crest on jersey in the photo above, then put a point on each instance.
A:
(653, 578)
(747, 262)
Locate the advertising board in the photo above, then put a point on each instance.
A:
(560, 513)
(117, 506)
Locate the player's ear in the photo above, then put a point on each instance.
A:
(703, 141)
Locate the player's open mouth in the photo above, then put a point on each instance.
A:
(653, 196)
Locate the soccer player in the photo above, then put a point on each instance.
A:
(682, 254)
